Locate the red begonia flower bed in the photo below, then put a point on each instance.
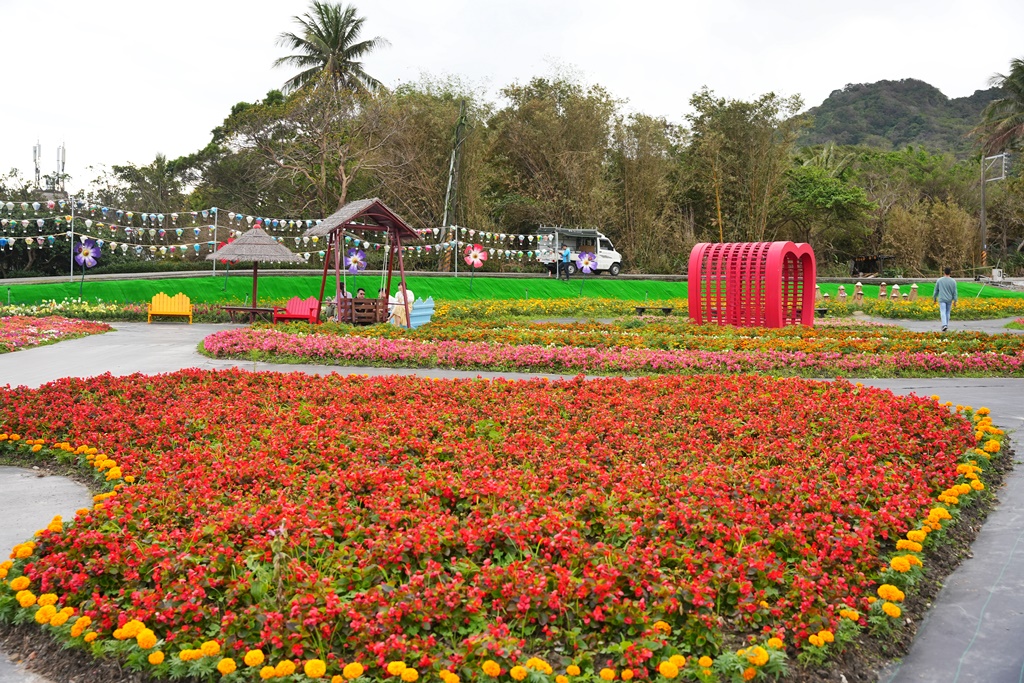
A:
(445, 523)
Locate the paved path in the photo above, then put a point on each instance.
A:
(28, 502)
(973, 632)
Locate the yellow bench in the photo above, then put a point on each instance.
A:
(167, 305)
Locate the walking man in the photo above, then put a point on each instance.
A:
(945, 294)
(566, 256)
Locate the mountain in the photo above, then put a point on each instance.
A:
(894, 114)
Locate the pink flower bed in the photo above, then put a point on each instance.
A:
(21, 331)
(343, 350)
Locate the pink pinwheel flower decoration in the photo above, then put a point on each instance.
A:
(475, 255)
(586, 262)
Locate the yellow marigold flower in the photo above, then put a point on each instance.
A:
(991, 446)
(678, 660)
(47, 599)
(45, 613)
(891, 609)
(132, 628)
(56, 525)
(900, 564)
(130, 479)
(758, 656)
(558, 679)
(226, 666)
(314, 668)
(749, 673)
(668, 669)
(268, 672)
(146, 639)
(341, 679)
(210, 648)
(490, 667)
(25, 598)
(410, 675)
(705, 662)
(19, 584)
(917, 535)
(627, 674)
(396, 668)
(518, 672)
(662, 627)
(156, 658)
(906, 544)
(814, 640)
(79, 626)
(253, 658)
(853, 615)
(977, 485)
(284, 668)
(353, 670)
(452, 678)
(22, 551)
(113, 473)
(826, 636)
(572, 670)
(60, 618)
(90, 636)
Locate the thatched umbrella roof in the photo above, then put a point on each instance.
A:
(255, 246)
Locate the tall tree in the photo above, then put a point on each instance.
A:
(319, 141)
(739, 155)
(547, 155)
(329, 44)
(1002, 124)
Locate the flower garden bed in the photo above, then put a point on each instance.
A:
(635, 347)
(288, 527)
(19, 332)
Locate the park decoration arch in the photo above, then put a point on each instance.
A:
(752, 284)
(365, 215)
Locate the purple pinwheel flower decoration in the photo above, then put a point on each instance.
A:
(86, 253)
(355, 261)
(586, 262)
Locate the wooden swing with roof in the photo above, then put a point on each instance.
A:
(364, 215)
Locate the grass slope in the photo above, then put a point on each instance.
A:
(279, 289)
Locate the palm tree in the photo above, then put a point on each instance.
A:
(1002, 125)
(329, 44)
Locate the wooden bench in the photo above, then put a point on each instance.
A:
(641, 310)
(162, 304)
(298, 309)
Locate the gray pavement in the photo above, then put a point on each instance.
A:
(974, 631)
(28, 502)
(993, 326)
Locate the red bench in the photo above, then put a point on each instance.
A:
(298, 309)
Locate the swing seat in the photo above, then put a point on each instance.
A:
(361, 311)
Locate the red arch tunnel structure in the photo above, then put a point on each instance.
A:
(752, 284)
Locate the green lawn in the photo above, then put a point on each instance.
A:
(278, 289)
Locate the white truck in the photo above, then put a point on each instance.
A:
(553, 240)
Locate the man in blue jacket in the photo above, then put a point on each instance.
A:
(566, 257)
(945, 294)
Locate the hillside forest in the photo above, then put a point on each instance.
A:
(888, 169)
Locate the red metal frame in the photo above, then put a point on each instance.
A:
(752, 284)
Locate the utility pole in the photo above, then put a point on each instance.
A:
(452, 192)
(1000, 162)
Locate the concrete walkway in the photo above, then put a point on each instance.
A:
(973, 632)
(28, 501)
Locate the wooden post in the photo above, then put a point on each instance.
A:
(401, 275)
(323, 280)
(255, 277)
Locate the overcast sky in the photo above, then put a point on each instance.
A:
(121, 80)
